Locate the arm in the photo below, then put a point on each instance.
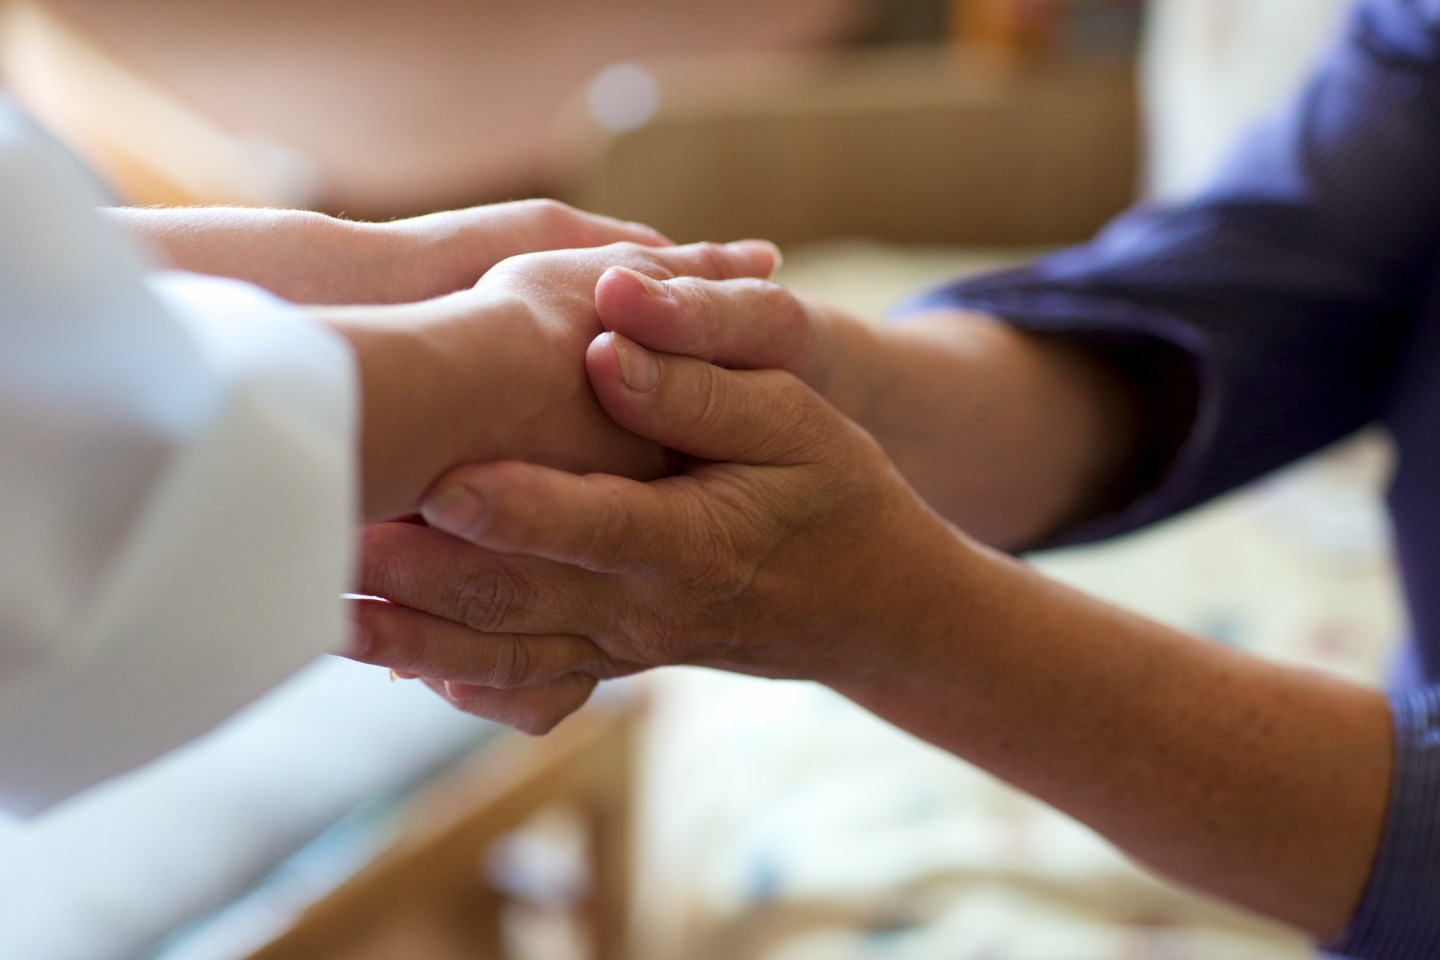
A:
(179, 460)
(800, 552)
(1008, 434)
(1225, 336)
(311, 258)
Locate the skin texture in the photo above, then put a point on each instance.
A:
(472, 322)
(802, 552)
(1007, 435)
(495, 371)
(796, 544)
(314, 259)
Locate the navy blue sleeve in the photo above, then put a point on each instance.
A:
(1399, 917)
(1287, 285)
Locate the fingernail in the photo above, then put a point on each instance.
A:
(460, 692)
(456, 509)
(653, 287)
(767, 245)
(639, 368)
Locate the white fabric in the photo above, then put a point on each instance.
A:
(112, 873)
(1212, 68)
(176, 489)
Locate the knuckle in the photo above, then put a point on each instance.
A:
(610, 534)
(710, 400)
(610, 530)
(633, 254)
(510, 667)
(382, 566)
(486, 599)
(714, 261)
(550, 212)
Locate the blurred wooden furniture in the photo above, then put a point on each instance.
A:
(928, 145)
(429, 896)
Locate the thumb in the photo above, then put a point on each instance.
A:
(761, 417)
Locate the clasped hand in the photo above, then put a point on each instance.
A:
(783, 547)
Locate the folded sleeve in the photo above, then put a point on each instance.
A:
(1285, 287)
(176, 487)
(1398, 918)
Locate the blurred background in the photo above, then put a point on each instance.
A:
(888, 145)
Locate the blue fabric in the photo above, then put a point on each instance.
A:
(1303, 287)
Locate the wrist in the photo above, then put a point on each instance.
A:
(433, 255)
(424, 400)
(300, 255)
(926, 601)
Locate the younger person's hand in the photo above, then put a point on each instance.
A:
(497, 371)
(314, 259)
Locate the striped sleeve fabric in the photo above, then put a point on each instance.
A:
(1399, 917)
(1288, 285)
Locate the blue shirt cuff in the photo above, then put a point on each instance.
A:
(1113, 328)
(1399, 915)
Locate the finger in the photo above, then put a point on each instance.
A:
(533, 225)
(745, 323)
(535, 710)
(584, 229)
(713, 261)
(598, 523)
(759, 417)
(431, 571)
(420, 644)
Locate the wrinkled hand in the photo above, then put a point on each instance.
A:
(788, 547)
(496, 372)
(314, 259)
(749, 323)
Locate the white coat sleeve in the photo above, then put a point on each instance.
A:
(177, 489)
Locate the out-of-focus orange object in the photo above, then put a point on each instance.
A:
(1010, 28)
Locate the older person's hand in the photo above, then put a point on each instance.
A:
(790, 546)
(314, 259)
(786, 547)
(497, 371)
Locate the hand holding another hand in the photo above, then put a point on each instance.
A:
(496, 372)
(787, 547)
(314, 259)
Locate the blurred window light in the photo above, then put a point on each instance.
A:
(623, 96)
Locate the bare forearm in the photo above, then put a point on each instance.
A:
(1261, 784)
(302, 256)
(1009, 436)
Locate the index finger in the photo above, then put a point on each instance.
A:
(756, 417)
(712, 261)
